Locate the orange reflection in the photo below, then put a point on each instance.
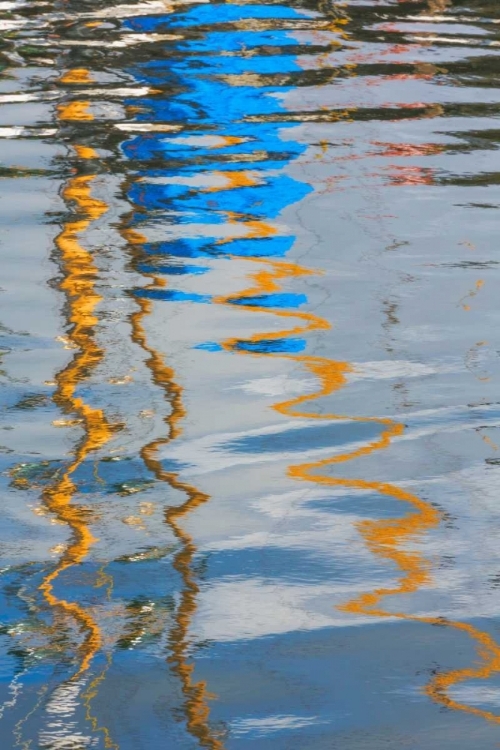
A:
(386, 538)
(77, 75)
(85, 152)
(332, 374)
(477, 287)
(399, 175)
(254, 227)
(235, 180)
(196, 695)
(75, 111)
(79, 278)
(80, 275)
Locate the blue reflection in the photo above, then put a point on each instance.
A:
(263, 346)
(271, 300)
(172, 270)
(226, 103)
(171, 295)
(272, 346)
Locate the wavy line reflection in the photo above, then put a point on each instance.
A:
(197, 157)
(196, 695)
(248, 203)
(80, 275)
(78, 284)
(242, 204)
(384, 538)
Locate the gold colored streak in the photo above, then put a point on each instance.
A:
(77, 75)
(79, 279)
(80, 274)
(234, 180)
(195, 693)
(85, 152)
(256, 227)
(490, 442)
(78, 284)
(477, 287)
(384, 538)
(74, 111)
(230, 140)
(260, 229)
(330, 373)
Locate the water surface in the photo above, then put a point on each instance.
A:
(250, 360)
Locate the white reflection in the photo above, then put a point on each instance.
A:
(270, 724)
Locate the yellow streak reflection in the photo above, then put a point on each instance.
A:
(195, 693)
(77, 75)
(75, 111)
(332, 374)
(85, 152)
(385, 538)
(477, 287)
(78, 284)
(79, 279)
(234, 180)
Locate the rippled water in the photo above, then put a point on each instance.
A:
(250, 363)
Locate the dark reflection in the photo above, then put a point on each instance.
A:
(195, 709)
